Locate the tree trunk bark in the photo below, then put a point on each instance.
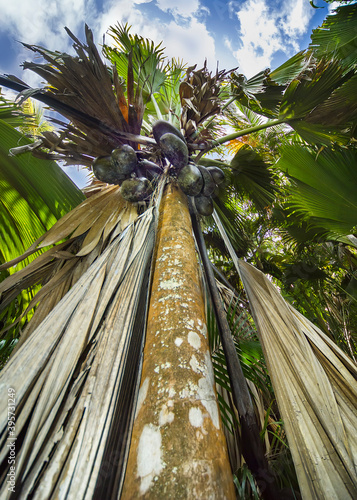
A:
(178, 449)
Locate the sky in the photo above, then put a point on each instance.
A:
(249, 34)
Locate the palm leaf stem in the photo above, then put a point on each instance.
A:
(225, 106)
(66, 110)
(156, 106)
(224, 280)
(252, 446)
(239, 133)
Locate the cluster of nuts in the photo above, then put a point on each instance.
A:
(134, 175)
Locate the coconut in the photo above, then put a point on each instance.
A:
(105, 171)
(162, 127)
(174, 149)
(135, 189)
(217, 174)
(124, 159)
(208, 183)
(204, 205)
(190, 180)
(151, 169)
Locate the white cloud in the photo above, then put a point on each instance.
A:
(184, 8)
(259, 35)
(122, 11)
(265, 31)
(295, 19)
(333, 6)
(191, 43)
(42, 21)
(189, 40)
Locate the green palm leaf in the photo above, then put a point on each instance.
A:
(251, 175)
(314, 133)
(165, 102)
(290, 69)
(337, 36)
(34, 194)
(146, 59)
(323, 187)
(263, 92)
(339, 109)
(303, 95)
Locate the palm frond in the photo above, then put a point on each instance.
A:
(34, 195)
(324, 186)
(73, 381)
(83, 81)
(30, 190)
(320, 135)
(303, 95)
(315, 386)
(86, 232)
(251, 175)
(263, 92)
(165, 103)
(339, 109)
(336, 37)
(132, 53)
(290, 69)
(233, 219)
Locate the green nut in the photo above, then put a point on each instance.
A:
(105, 171)
(174, 149)
(204, 205)
(136, 189)
(190, 180)
(217, 174)
(124, 159)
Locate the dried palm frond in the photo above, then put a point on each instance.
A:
(87, 230)
(104, 110)
(200, 98)
(73, 393)
(315, 386)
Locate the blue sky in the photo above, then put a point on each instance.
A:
(250, 34)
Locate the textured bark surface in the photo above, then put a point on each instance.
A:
(178, 448)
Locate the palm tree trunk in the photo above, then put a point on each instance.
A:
(178, 448)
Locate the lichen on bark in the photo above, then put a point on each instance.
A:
(178, 448)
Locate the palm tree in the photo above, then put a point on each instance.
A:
(76, 369)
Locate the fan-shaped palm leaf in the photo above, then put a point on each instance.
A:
(336, 38)
(34, 194)
(87, 229)
(324, 187)
(251, 175)
(31, 193)
(303, 95)
(263, 92)
(339, 109)
(139, 56)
